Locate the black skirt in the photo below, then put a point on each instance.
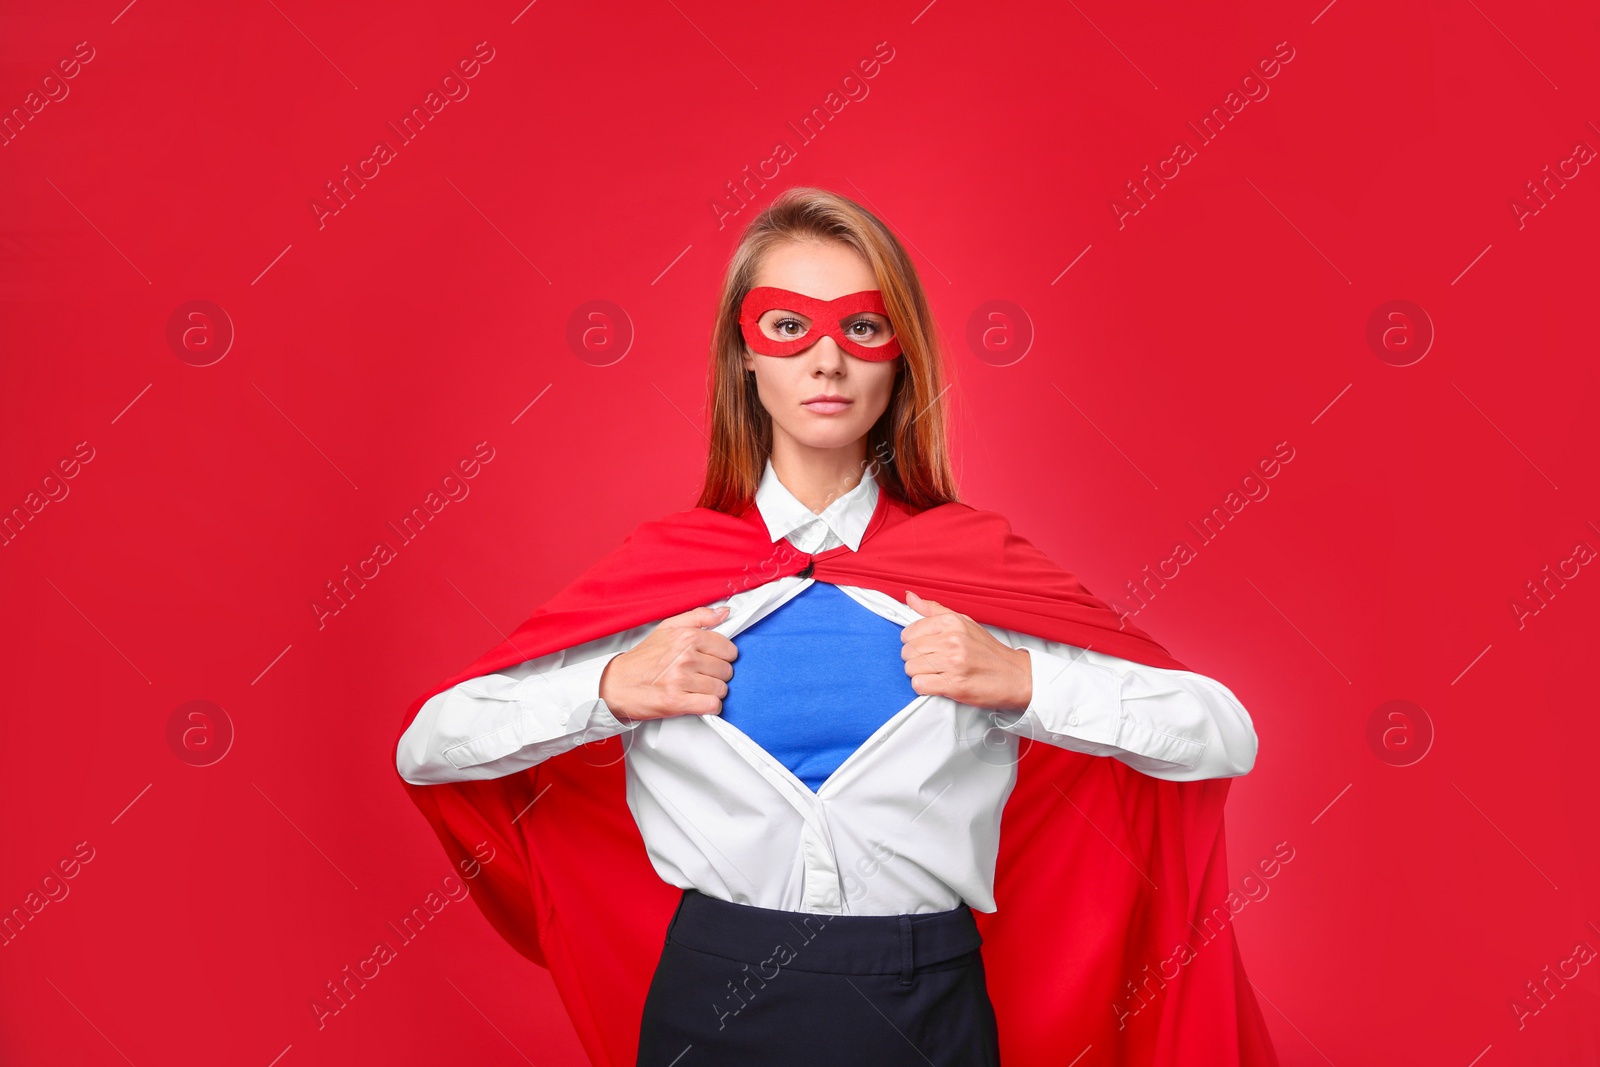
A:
(754, 986)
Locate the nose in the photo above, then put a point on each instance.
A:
(827, 357)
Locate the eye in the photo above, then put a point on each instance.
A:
(869, 329)
(781, 325)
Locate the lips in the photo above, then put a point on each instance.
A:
(827, 404)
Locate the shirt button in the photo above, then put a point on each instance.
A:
(1072, 720)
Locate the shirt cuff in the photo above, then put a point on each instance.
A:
(555, 704)
(575, 692)
(1075, 698)
(609, 722)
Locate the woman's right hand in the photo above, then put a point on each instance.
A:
(681, 668)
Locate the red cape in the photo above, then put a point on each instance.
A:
(1112, 930)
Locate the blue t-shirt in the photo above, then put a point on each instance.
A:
(815, 679)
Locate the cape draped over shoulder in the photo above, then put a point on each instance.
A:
(1111, 931)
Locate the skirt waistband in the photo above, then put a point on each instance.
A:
(813, 941)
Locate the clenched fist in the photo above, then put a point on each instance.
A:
(680, 668)
(948, 654)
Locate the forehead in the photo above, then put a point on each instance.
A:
(821, 269)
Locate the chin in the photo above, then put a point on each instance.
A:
(825, 438)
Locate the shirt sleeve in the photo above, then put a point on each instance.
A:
(1170, 724)
(498, 724)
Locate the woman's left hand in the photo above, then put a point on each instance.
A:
(948, 654)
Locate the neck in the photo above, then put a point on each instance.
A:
(818, 476)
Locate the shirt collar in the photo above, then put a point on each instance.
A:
(847, 515)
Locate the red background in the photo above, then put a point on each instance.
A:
(373, 352)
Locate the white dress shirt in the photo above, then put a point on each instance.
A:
(908, 823)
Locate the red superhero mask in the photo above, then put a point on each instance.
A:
(831, 317)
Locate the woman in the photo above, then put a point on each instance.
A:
(818, 766)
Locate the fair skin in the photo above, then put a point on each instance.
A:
(819, 451)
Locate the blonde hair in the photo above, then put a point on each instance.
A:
(908, 445)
